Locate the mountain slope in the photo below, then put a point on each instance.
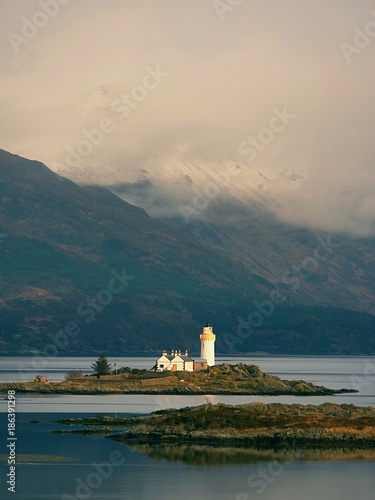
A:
(310, 267)
(131, 283)
(64, 242)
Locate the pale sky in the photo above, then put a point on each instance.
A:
(224, 70)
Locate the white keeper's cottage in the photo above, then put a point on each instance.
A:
(174, 362)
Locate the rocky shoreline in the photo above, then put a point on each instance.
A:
(256, 425)
(224, 379)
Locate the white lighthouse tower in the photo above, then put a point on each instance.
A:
(208, 344)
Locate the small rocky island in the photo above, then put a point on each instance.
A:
(256, 425)
(239, 379)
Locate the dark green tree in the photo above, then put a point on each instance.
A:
(101, 366)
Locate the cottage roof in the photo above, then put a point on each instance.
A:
(170, 357)
(185, 358)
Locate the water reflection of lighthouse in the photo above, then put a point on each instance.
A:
(208, 344)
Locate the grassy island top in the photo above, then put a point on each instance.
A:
(258, 425)
(239, 379)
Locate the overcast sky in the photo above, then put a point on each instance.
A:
(223, 70)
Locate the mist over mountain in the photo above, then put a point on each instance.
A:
(178, 184)
(265, 84)
(80, 259)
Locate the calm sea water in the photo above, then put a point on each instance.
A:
(148, 475)
(336, 373)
